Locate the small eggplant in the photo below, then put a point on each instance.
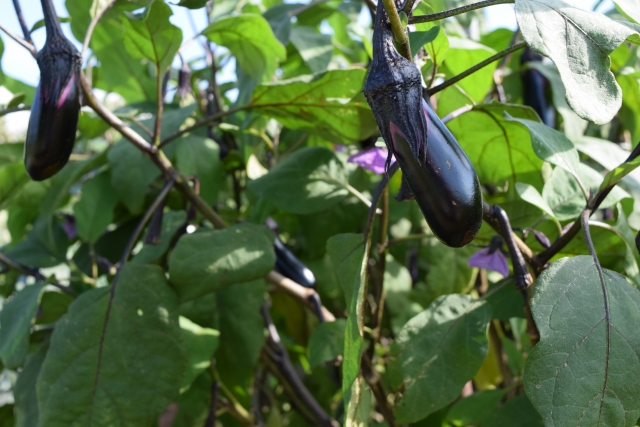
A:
(534, 89)
(290, 266)
(446, 187)
(434, 167)
(54, 114)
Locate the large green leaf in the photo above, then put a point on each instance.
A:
(241, 331)
(45, 245)
(131, 174)
(26, 399)
(326, 342)
(309, 180)
(500, 151)
(94, 211)
(209, 260)
(201, 157)
(436, 353)
(12, 177)
(150, 35)
(200, 344)
(474, 409)
(562, 193)
(579, 43)
(115, 359)
(325, 104)
(516, 412)
(315, 48)
(345, 253)
(397, 287)
(251, 41)
(584, 369)
(464, 54)
(551, 146)
(16, 319)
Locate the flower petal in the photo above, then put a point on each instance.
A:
(495, 261)
(373, 159)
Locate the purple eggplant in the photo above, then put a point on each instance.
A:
(434, 167)
(291, 267)
(535, 88)
(54, 113)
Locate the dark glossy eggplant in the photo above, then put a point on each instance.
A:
(434, 167)
(54, 113)
(290, 266)
(446, 187)
(535, 89)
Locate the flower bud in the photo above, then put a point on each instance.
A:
(54, 113)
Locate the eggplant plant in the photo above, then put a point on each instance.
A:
(469, 258)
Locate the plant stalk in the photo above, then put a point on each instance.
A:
(456, 11)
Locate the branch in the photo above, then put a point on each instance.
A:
(14, 110)
(34, 272)
(479, 66)
(399, 33)
(278, 353)
(202, 122)
(307, 296)
(543, 257)
(92, 26)
(497, 218)
(22, 42)
(23, 23)
(456, 11)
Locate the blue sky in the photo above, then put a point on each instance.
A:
(18, 63)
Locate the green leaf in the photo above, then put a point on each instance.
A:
(436, 353)
(579, 43)
(45, 245)
(551, 145)
(26, 399)
(131, 174)
(449, 272)
(438, 48)
(328, 104)
(94, 211)
(16, 319)
(150, 35)
(192, 4)
(489, 140)
(10, 153)
(53, 305)
(517, 411)
(201, 157)
(241, 331)
(326, 342)
(126, 357)
(251, 41)
(40, 23)
(564, 196)
(315, 48)
(172, 221)
(474, 409)
(61, 183)
(529, 194)
(209, 260)
(345, 253)
(464, 54)
(17, 99)
(630, 8)
(280, 20)
(354, 388)
(134, 85)
(628, 80)
(397, 287)
(309, 180)
(200, 344)
(12, 177)
(419, 38)
(584, 367)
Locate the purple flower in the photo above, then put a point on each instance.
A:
(491, 260)
(373, 159)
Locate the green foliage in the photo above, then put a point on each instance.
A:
(262, 122)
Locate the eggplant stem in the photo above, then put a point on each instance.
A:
(22, 42)
(453, 12)
(399, 34)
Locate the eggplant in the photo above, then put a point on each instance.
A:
(446, 187)
(434, 167)
(535, 88)
(54, 113)
(291, 267)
